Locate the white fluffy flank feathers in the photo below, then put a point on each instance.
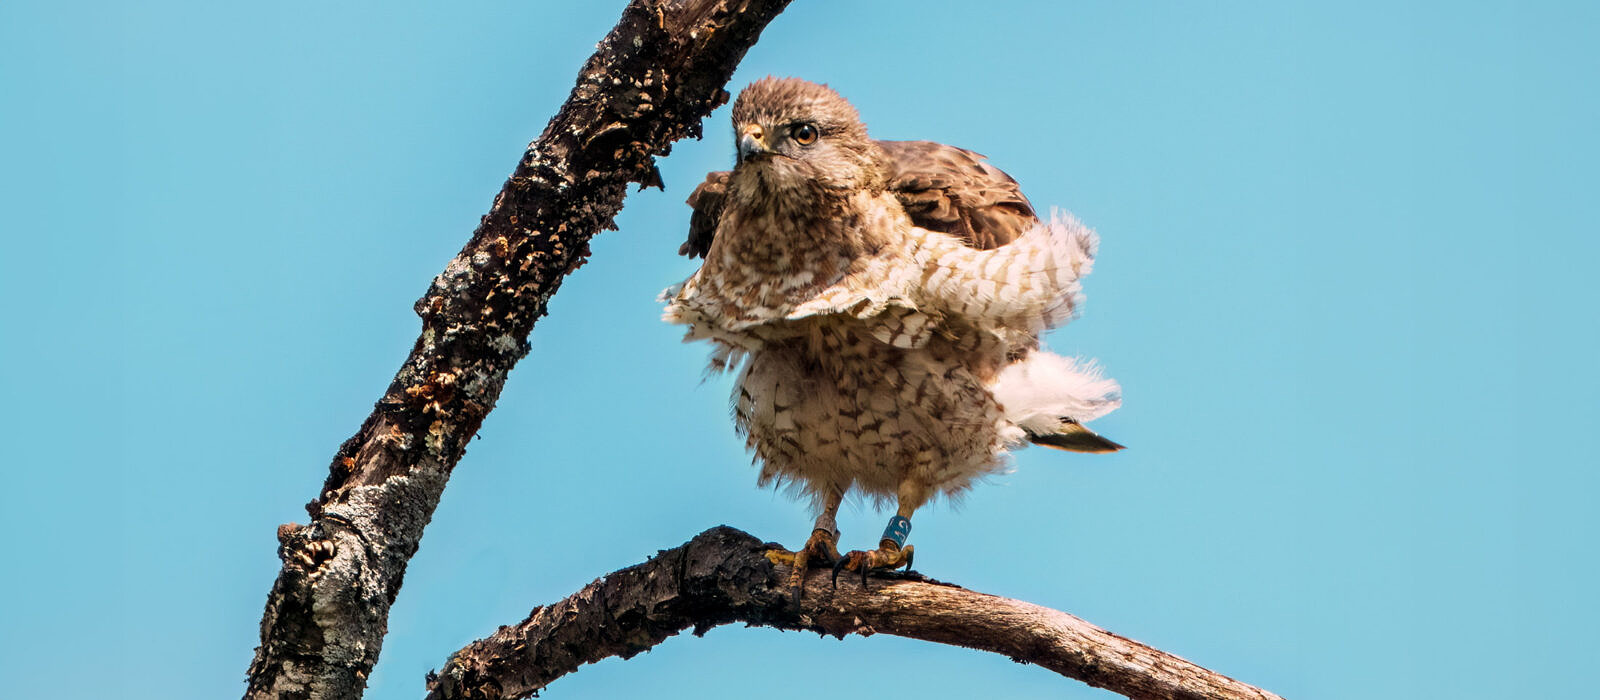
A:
(1042, 388)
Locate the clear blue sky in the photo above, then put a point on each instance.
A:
(1346, 280)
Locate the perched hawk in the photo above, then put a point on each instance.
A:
(883, 300)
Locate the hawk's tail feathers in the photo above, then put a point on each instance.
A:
(1073, 437)
(1050, 397)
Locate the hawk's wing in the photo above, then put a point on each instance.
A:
(942, 188)
(707, 201)
(955, 191)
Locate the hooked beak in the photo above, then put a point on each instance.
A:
(752, 141)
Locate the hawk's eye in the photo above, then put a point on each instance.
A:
(804, 134)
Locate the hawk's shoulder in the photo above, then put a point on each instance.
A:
(942, 188)
(956, 191)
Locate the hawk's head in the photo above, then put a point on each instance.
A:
(794, 131)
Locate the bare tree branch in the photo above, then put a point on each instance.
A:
(649, 83)
(725, 575)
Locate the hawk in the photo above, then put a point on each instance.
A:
(882, 302)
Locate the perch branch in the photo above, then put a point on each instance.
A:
(725, 575)
(651, 80)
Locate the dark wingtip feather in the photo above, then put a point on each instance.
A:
(1081, 440)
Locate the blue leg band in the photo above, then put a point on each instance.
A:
(898, 530)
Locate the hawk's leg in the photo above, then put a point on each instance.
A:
(820, 547)
(892, 551)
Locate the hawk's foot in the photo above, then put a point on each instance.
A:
(888, 555)
(820, 548)
(892, 552)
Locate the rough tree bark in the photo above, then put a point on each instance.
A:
(649, 83)
(725, 575)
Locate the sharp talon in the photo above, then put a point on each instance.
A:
(909, 556)
(837, 567)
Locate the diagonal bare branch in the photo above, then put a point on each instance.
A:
(650, 82)
(725, 575)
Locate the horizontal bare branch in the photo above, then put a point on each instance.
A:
(725, 575)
